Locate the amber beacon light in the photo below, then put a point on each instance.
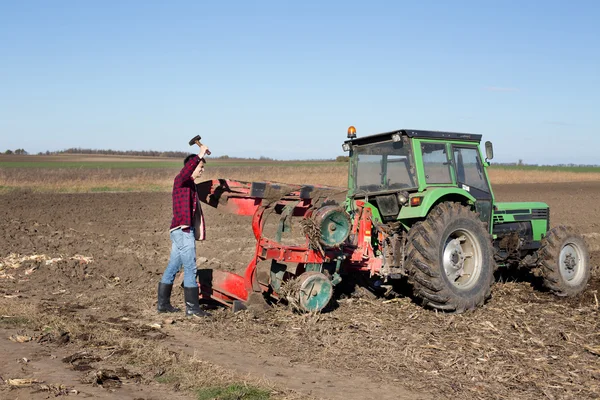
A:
(351, 132)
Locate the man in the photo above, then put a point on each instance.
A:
(186, 227)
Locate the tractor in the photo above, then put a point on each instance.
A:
(419, 207)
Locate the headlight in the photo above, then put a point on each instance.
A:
(346, 147)
(402, 198)
(396, 137)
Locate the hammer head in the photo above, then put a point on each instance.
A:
(194, 140)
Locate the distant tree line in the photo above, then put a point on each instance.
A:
(17, 151)
(144, 153)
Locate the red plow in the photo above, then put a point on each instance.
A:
(304, 273)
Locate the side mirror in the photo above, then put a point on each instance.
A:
(489, 150)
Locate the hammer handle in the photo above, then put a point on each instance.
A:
(200, 145)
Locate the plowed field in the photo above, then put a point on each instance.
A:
(87, 265)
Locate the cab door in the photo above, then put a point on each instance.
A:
(471, 177)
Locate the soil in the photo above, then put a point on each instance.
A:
(100, 256)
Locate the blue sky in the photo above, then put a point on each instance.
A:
(285, 79)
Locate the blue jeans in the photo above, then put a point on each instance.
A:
(183, 251)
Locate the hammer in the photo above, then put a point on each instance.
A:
(196, 140)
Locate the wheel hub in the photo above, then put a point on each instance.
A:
(569, 262)
(462, 259)
(454, 259)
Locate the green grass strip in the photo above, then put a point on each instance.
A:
(89, 164)
(104, 189)
(233, 392)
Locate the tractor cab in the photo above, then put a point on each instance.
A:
(413, 169)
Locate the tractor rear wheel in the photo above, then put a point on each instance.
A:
(450, 259)
(564, 261)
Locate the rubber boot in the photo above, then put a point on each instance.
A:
(192, 302)
(164, 299)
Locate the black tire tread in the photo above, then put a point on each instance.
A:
(425, 268)
(549, 254)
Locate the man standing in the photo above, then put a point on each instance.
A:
(187, 226)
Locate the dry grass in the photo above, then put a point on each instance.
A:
(157, 179)
(161, 179)
(509, 176)
(522, 345)
(75, 180)
(13, 314)
(130, 344)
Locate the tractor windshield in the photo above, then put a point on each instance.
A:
(384, 166)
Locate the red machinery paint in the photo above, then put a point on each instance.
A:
(260, 199)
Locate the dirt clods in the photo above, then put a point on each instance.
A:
(85, 288)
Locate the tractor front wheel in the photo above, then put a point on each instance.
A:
(450, 259)
(564, 261)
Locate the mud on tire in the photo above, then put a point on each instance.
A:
(564, 261)
(450, 259)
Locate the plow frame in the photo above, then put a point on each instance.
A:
(261, 199)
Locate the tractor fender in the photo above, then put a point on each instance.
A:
(431, 198)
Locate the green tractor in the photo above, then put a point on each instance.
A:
(436, 220)
(418, 204)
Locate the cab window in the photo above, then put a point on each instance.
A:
(435, 163)
(469, 170)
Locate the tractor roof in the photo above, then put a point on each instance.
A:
(379, 137)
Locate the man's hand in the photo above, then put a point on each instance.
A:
(203, 151)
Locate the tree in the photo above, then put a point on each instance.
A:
(20, 152)
(8, 152)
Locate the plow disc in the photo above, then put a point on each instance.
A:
(314, 291)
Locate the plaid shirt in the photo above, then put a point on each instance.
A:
(184, 196)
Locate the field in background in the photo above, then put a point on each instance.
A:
(126, 162)
(551, 168)
(97, 173)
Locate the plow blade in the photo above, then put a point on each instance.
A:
(222, 286)
(244, 198)
(229, 289)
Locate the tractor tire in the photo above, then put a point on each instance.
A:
(450, 260)
(564, 261)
